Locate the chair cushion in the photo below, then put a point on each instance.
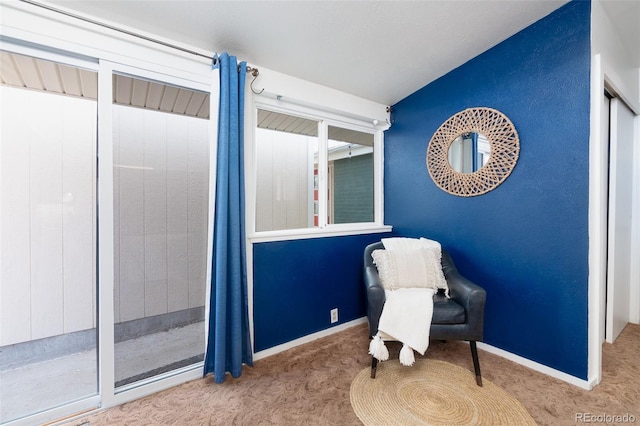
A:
(447, 311)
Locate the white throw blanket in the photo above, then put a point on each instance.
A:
(407, 312)
(406, 316)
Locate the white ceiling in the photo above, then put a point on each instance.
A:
(625, 19)
(378, 50)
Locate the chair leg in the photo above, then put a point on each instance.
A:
(374, 366)
(476, 363)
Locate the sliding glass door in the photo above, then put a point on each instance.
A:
(59, 353)
(48, 234)
(161, 204)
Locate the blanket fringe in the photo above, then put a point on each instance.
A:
(406, 356)
(377, 349)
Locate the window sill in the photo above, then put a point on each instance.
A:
(329, 231)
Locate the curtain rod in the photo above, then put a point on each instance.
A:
(253, 71)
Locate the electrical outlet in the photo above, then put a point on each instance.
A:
(334, 315)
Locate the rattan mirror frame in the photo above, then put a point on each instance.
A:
(505, 149)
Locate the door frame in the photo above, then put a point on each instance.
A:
(598, 200)
(615, 285)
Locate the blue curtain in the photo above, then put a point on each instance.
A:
(229, 343)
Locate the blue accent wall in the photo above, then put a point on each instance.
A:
(525, 242)
(297, 283)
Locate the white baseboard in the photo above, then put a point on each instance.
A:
(584, 384)
(306, 339)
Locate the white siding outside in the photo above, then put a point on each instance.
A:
(284, 187)
(47, 215)
(161, 179)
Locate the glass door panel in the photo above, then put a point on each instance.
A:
(48, 235)
(161, 187)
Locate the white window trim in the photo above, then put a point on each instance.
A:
(325, 120)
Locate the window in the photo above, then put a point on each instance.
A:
(287, 159)
(350, 176)
(313, 174)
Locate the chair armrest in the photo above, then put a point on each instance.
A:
(471, 296)
(375, 297)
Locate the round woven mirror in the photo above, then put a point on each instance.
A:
(504, 148)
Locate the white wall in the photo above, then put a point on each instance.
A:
(295, 91)
(618, 66)
(47, 215)
(161, 175)
(613, 63)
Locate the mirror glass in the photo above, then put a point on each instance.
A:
(469, 152)
(473, 152)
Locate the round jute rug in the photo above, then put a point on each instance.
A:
(432, 392)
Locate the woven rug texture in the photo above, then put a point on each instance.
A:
(431, 392)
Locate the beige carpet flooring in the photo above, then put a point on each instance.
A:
(309, 385)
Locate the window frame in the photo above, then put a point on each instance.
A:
(324, 119)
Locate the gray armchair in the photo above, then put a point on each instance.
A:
(460, 317)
